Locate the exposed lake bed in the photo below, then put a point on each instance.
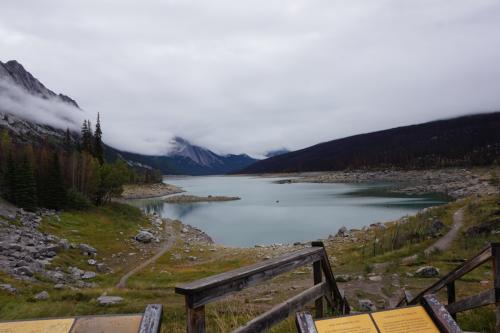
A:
(297, 211)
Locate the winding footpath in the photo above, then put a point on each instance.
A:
(444, 242)
(165, 248)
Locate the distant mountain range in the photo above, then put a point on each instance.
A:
(184, 158)
(462, 141)
(188, 159)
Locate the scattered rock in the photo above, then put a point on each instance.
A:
(42, 296)
(109, 300)
(343, 278)
(9, 288)
(366, 305)
(89, 275)
(427, 271)
(87, 249)
(343, 232)
(92, 262)
(376, 278)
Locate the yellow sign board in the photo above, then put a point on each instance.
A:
(38, 326)
(412, 319)
(350, 324)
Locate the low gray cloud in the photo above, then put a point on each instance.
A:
(15, 100)
(258, 75)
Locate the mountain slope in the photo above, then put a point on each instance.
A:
(468, 140)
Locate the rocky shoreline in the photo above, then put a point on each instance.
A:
(453, 182)
(145, 191)
(183, 198)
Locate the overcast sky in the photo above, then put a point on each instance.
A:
(252, 76)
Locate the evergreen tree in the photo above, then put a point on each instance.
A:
(24, 192)
(98, 148)
(86, 137)
(10, 178)
(68, 147)
(55, 191)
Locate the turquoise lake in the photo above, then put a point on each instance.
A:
(271, 213)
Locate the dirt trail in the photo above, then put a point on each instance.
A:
(168, 230)
(444, 242)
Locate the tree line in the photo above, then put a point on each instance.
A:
(73, 174)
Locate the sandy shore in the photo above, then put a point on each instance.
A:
(144, 191)
(183, 198)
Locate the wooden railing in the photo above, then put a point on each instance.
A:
(492, 296)
(204, 291)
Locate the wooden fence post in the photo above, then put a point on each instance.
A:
(318, 278)
(495, 252)
(450, 290)
(195, 319)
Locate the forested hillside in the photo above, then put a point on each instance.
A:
(67, 173)
(463, 141)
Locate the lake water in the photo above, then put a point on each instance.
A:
(282, 213)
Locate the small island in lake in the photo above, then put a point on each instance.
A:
(184, 198)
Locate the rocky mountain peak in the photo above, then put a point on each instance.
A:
(15, 72)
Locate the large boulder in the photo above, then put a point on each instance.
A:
(144, 237)
(427, 271)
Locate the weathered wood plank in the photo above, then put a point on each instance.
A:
(283, 310)
(475, 301)
(305, 323)
(210, 289)
(151, 320)
(195, 319)
(455, 274)
(441, 317)
(318, 278)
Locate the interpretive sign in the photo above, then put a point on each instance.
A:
(411, 319)
(101, 324)
(38, 326)
(362, 323)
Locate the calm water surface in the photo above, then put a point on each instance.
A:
(282, 213)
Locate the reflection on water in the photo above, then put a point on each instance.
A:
(282, 213)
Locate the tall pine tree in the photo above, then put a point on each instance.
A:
(98, 148)
(24, 192)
